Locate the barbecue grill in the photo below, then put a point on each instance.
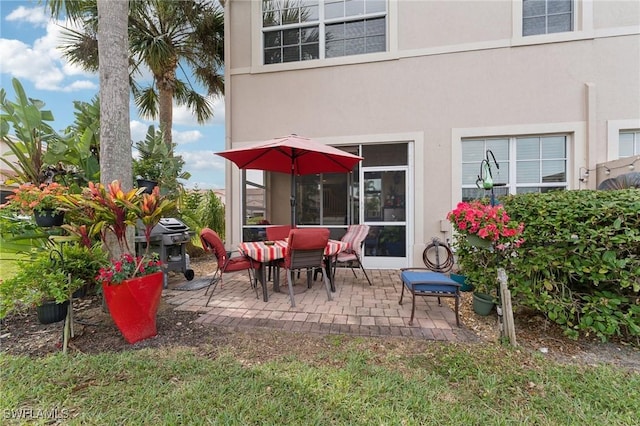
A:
(168, 238)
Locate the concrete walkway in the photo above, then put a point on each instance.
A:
(356, 308)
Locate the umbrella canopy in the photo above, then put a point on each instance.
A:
(295, 155)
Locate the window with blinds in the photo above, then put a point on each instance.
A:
(547, 16)
(302, 30)
(629, 143)
(523, 164)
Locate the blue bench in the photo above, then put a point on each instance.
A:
(424, 282)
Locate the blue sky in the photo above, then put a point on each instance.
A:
(29, 41)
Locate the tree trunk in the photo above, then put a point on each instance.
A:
(166, 88)
(113, 56)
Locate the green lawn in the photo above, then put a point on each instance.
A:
(8, 264)
(347, 382)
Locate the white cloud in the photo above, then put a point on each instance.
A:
(189, 136)
(41, 63)
(35, 15)
(81, 85)
(182, 115)
(202, 160)
(138, 130)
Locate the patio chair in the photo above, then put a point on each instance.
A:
(212, 243)
(276, 232)
(306, 251)
(355, 236)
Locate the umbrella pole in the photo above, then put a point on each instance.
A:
(293, 200)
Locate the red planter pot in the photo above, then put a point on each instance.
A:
(133, 305)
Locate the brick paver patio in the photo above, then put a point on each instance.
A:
(356, 308)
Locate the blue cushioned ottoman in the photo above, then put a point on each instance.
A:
(424, 282)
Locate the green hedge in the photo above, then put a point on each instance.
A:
(580, 263)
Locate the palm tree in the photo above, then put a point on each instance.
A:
(115, 136)
(165, 37)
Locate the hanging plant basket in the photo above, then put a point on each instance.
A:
(148, 185)
(48, 217)
(51, 312)
(476, 241)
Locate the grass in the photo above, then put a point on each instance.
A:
(347, 382)
(9, 264)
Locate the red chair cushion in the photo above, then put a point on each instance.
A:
(211, 242)
(278, 232)
(308, 239)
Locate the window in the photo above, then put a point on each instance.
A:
(329, 198)
(522, 164)
(546, 16)
(629, 143)
(254, 197)
(301, 30)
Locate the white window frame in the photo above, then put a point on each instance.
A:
(546, 16)
(614, 128)
(512, 185)
(582, 25)
(321, 24)
(635, 144)
(576, 133)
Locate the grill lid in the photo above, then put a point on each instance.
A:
(169, 225)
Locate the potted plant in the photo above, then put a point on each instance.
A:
(42, 283)
(131, 285)
(156, 165)
(41, 201)
(485, 238)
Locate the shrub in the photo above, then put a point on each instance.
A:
(36, 281)
(580, 263)
(82, 262)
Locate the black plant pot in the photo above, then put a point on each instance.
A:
(50, 312)
(81, 292)
(48, 218)
(148, 185)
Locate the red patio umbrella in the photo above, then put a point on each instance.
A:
(295, 155)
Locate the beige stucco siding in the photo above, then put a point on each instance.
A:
(442, 23)
(453, 69)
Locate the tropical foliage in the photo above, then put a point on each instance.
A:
(77, 155)
(202, 209)
(101, 210)
(155, 163)
(165, 37)
(25, 129)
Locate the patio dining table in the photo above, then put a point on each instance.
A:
(270, 251)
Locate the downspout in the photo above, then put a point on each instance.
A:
(592, 136)
(231, 229)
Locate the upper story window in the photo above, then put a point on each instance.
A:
(526, 164)
(629, 143)
(300, 30)
(547, 16)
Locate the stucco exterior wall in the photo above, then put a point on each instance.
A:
(453, 69)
